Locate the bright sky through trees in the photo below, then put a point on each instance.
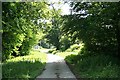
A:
(65, 9)
(59, 4)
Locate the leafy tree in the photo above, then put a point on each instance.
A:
(53, 33)
(96, 24)
(20, 30)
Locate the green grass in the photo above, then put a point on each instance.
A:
(74, 49)
(29, 66)
(94, 66)
(64, 54)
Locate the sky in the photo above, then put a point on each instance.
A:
(63, 6)
(65, 9)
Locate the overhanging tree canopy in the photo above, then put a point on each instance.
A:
(97, 25)
(20, 29)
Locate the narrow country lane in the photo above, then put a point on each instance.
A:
(57, 69)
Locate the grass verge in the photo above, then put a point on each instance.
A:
(65, 54)
(24, 67)
(94, 66)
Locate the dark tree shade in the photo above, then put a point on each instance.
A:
(97, 25)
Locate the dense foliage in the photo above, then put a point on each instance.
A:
(91, 34)
(53, 32)
(20, 28)
(97, 24)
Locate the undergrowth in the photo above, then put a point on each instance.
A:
(94, 66)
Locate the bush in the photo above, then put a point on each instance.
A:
(73, 48)
(54, 52)
(51, 50)
(71, 59)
